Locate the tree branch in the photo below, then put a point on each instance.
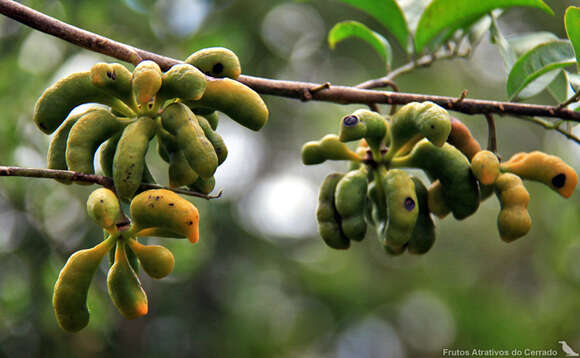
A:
(88, 178)
(290, 89)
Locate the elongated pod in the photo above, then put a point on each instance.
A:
(86, 136)
(215, 139)
(513, 220)
(236, 100)
(180, 172)
(60, 99)
(327, 217)
(182, 81)
(366, 124)
(544, 168)
(423, 236)
(350, 202)
(461, 138)
(56, 158)
(69, 299)
(145, 83)
(115, 79)
(402, 209)
(157, 261)
(129, 161)
(436, 200)
(328, 148)
(107, 154)
(104, 208)
(180, 122)
(216, 62)
(124, 286)
(212, 118)
(161, 212)
(485, 167)
(415, 121)
(204, 186)
(452, 169)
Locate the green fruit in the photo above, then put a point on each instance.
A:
(328, 148)
(129, 160)
(145, 84)
(211, 117)
(161, 212)
(236, 100)
(402, 209)
(124, 286)
(104, 208)
(452, 169)
(58, 100)
(328, 219)
(180, 172)
(157, 261)
(364, 124)
(115, 79)
(69, 299)
(415, 121)
(180, 122)
(216, 140)
(56, 158)
(216, 62)
(350, 202)
(86, 136)
(423, 235)
(182, 81)
(204, 186)
(513, 220)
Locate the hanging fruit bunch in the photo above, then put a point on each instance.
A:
(178, 108)
(378, 192)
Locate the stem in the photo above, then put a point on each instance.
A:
(88, 178)
(290, 89)
(491, 134)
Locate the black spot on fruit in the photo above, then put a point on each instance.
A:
(217, 68)
(409, 204)
(190, 223)
(350, 121)
(559, 180)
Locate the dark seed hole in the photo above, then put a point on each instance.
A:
(559, 180)
(432, 126)
(217, 68)
(171, 204)
(190, 223)
(350, 121)
(109, 74)
(409, 204)
(102, 201)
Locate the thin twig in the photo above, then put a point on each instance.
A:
(378, 83)
(491, 133)
(88, 178)
(570, 100)
(290, 89)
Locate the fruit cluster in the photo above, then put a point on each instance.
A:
(377, 191)
(154, 213)
(178, 107)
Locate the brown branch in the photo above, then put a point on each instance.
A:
(88, 178)
(290, 89)
(491, 134)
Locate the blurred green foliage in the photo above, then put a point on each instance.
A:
(261, 283)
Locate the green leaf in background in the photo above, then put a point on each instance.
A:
(346, 29)
(388, 13)
(413, 9)
(450, 15)
(522, 43)
(572, 22)
(538, 62)
(574, 81)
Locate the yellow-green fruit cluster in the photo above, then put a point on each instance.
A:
(154, 213)
(177, 106)
(420, 136)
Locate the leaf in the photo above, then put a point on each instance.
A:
(389, 14)
(559, 88)
(346, 29)
(522, 43)
(449, 15)
(507, 53)
(413, 9)
(572, 22)
(574, 81)
(538, 62)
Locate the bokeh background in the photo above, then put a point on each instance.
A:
(260, 282)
